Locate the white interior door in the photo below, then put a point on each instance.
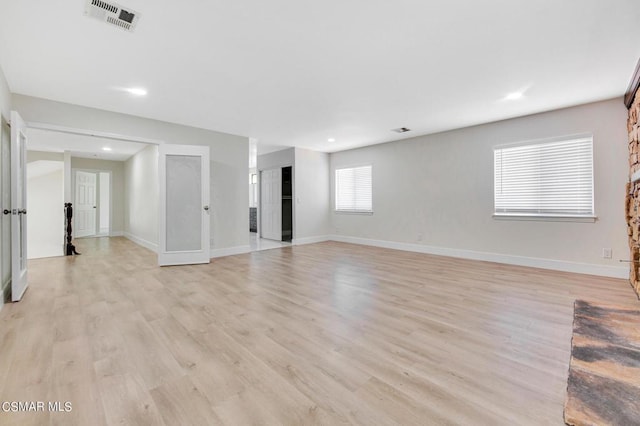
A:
(5, 190)
(184, 205)
(271, 204)
(85, 204)
(18, 207)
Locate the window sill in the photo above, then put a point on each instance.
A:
(356, 212)
(538, 218)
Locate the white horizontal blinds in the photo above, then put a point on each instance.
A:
(353, 189)
(546, 179)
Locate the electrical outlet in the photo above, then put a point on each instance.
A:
(606, 253)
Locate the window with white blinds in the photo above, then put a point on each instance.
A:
(553, 178)
(353, 189)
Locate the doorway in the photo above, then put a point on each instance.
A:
(275, 209)
(92, 202)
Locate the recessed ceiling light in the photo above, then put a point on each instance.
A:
(106, 148)
(514, 96)
(137, 91)
(331, 140)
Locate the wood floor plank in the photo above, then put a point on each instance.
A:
(127, 402)
(327, 333)
(74, 381)
(181, 403)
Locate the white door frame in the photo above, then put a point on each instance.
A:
(108, 172)
(293, 197)
(5, 201)
(184, 257)
(18, 209)
(73, 197)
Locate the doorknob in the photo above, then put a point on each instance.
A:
(206, 208)
(22, 211)
(5, 211)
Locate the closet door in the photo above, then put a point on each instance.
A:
(271, 204)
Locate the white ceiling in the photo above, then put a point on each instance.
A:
(83, 146)
(296, 73)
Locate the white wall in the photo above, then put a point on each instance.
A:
(141, 198)
(104, 182)
(229, 154)
(45, 220)
(253, 188)
(311, 195)
(5, 97)
(435, 194)
(117, 187)
(282, 158)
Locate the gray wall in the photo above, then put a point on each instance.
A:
(141, 197)
(229, 154)
(436, 192)
(311, 195)
(43, 155)
(117, 187)
(282, 158)
(5, 97)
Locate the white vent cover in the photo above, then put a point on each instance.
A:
(112, 13)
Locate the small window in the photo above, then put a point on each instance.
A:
(545, 178)
(353, 190)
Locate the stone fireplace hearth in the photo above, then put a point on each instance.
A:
(632, 208)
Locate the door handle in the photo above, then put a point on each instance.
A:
(5, 211)
(22, 211)
(206, 208)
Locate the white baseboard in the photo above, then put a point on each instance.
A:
(116, 234)
(229, 251)
(311, 240)
(141, 241)
(4, 292)
(533, 262)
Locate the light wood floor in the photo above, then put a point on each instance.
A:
(328, 333)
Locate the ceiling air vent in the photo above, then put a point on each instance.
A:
(401, 130)
(112, 13)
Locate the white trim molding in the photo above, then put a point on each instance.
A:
(311, 240)
(95, 133)
(5, 290)
(533, 262)
(117, 234)
(142, 242)
(229, 251)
